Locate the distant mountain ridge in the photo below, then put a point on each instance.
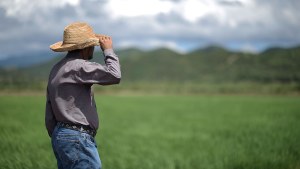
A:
(206, 65)
(35, 58)
(26, 59)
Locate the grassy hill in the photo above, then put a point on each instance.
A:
(213, 66)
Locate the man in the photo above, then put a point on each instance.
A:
(71, 114)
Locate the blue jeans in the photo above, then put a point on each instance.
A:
(74, 149)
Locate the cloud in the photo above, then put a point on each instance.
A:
(231, 3)
(179, 24)
(134, 8)
(27, 9)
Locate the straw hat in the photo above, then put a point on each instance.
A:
(77, 35)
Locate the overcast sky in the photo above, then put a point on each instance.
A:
(251, 25)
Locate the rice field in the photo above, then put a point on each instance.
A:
(165, 132)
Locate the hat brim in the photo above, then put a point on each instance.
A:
(61, 47)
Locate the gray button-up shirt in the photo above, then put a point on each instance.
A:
(69, 95)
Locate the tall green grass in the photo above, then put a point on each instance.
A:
(165, 132)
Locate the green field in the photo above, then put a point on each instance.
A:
(165, 132)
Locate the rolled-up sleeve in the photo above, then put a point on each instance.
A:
(95, 73)
(50, 120)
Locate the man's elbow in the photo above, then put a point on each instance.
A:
(112, 81)
(117, 80)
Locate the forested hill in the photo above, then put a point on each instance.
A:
(207, 65)
(212, 64)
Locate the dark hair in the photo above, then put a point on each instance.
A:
(75, 51)
(78, 50)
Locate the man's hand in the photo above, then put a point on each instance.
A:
(105, 42)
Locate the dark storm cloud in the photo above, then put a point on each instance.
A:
(285, 15)
(6, 23)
